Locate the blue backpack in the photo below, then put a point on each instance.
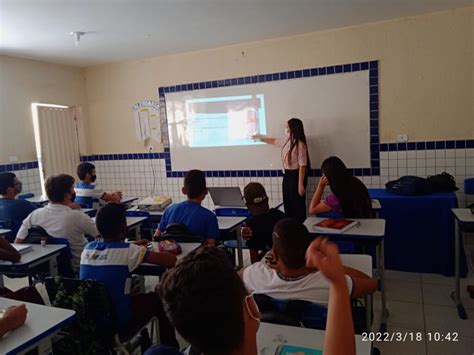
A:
(409, 186)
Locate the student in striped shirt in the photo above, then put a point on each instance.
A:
(112, 261)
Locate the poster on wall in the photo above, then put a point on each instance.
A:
(147, 120)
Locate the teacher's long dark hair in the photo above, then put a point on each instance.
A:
(351, 192)
(296, 128)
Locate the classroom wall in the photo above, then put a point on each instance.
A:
(425, 73)
(23, 82)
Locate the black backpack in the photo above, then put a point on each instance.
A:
(409, 186)
(443, 182)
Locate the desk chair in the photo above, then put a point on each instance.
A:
(95, 326)
(232, 212)
(300, 313)
(25, 196)
(468, 189)
(13, 226)
(65, 268)
(147, 226)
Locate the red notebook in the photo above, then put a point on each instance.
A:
(333, 225)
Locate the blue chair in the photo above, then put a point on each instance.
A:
(232, 212)
(468, 188)
(13, 226)
(25, 196)
(147, 225)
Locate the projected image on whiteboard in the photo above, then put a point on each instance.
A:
(223, 121)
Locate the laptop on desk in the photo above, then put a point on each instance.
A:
(226, 196)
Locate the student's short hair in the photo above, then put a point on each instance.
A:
(195, 183)
(6, 180)
(203, 297)
(110, 220)
(83, 169)
(58, 186)
(291, 239)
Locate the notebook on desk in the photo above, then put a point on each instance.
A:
(334, 225)
(22, 248)
(226, 196)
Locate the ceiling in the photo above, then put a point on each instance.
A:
(131, 29)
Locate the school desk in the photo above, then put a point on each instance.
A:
(4, 231)
(42, 323)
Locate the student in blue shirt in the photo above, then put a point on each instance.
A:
(11, 209)
(86, 191)
(112, 261)
(199, 220)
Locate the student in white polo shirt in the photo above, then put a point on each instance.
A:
(87, 192)
(58, 219)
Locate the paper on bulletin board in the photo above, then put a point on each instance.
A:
(147, 120)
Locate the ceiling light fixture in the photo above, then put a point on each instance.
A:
(77, 36)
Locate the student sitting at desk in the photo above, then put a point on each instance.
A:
(259, 227)
(229, 327)
(87, 192)
(287, 277)
(13, 318)
(7, 252)
(112, 260)
(58, 220)
(11, 209)
(349, 195)
(199, 220)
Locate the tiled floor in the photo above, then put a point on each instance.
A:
(416, 303)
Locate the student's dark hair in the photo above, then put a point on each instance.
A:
(352, 194)
(110, 220)
(291, 239)
(6, 180)
(203, 297)
(297, 135)
(57, 186)
(83, 169)
(195, 183)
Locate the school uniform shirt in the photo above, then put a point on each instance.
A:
(112, 264)
(297, 158)
(199, 220)
(15, 210)
(87, 194)
(61, 221)
(262, 229)
(312, 287)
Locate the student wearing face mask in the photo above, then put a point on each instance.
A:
(58, 219)
(86, 191)
(12, 210)
(296, 163)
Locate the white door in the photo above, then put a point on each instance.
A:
(56, 136)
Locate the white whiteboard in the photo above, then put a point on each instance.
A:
(334, 110)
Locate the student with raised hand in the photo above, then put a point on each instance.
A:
(288, 277)
(87, 192)
(13, 318)
(58, 219)
(12, 209)
(199, 220)
(296, 162)
(206, 277)
(349, 196)
(7, 252)
(259, 227)
(112, 261)
(339, 338)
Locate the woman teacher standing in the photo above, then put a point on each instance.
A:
(295, 160)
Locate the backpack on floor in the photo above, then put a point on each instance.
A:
(409, 186)
(443, 182)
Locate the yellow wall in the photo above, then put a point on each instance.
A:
(23, 82)
(426, 75)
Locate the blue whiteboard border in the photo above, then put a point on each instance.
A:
(371, 66)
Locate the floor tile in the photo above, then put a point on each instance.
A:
(402, 314)
(403, 291)
(464, 346)
(402, 276)
(446, 319)
(434, 294)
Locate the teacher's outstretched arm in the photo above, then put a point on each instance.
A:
(265, 139)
